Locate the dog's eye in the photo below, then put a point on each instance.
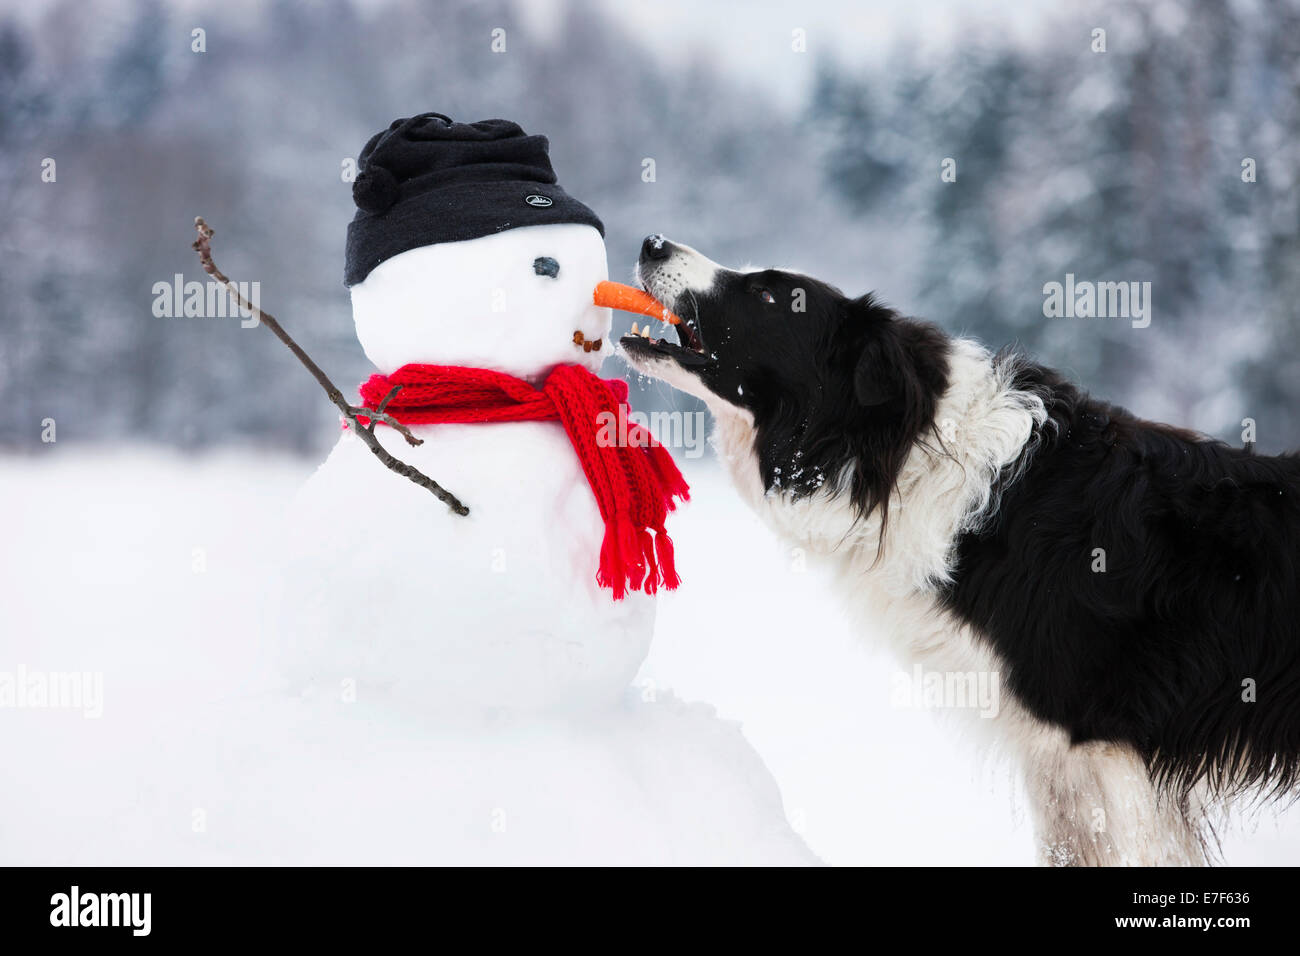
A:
(766, 296)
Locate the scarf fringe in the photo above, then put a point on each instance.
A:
(612, 573)
(667, 559)
(652, 576)
(636, 560)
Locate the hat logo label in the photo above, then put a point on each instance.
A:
(536, 200)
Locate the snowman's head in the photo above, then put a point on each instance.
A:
(511, 301)
(464, 250)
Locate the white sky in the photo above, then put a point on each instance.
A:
(752, 38)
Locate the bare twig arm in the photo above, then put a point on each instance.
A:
(203, 246)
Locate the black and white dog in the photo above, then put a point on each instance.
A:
(1135, 586)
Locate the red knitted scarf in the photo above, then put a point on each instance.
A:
(632, 476)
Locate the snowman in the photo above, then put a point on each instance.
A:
(465, 254)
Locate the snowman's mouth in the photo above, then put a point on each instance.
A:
(584, 343)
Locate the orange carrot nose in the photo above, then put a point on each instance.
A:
(625, 298)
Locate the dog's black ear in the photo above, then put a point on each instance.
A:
(882, 367)
(899, 360)
(877, 377)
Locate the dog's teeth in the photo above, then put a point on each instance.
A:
(645, 333)
(635, 330)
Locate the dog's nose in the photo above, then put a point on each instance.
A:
(656, 248)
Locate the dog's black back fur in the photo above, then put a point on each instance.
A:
(1200, 593)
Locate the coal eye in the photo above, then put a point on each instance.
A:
(546, 266)
(766, 296)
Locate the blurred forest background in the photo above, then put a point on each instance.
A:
(1124, 165)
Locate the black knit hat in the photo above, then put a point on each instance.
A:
(426, 180)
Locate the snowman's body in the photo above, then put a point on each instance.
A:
(499, 609)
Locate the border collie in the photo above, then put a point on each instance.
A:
(1135, 586)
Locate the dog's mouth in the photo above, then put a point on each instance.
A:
(688, 350)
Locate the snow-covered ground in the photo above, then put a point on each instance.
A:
(147, 567)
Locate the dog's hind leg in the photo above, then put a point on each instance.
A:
(1094, 805)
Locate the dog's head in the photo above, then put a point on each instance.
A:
(833, 388)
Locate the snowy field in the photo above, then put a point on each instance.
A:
(147, 567)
